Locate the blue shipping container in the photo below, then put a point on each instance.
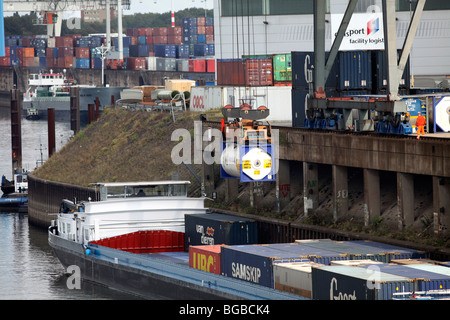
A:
(425, 280)
(97, 63)
(42, 62)
(139, 50)
(191, 39)
(303, 71)
(212, 229)
(354, 70)
(165, 50)
(125, 40)
(183, 51)
(201, 50)
(201, 38)
(254, 263)
(395, 252)
(83, 63)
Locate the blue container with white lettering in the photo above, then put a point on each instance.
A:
(254, 263)
(213, 229)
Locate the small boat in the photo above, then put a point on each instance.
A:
(15, 193)
(32, 114)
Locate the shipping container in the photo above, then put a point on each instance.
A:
(166, 64)
(162, 31)
(63, 42)
(201, 50)
(136, 63)
(165, 50)
(197, 65)
(206, 258)
(180, 258)
(182, 65)
(82, 52)
(211, 229)
(259, 72)
(201, 38)
(425, 280)
(354, 70)
(300, 100)
(65, 62)
(210, 65)
(303, 71)
(295, 277)
(139, 50)
(190, 38)
(146, 241)
(209, 21)
(183, 51)
(83, 63)
(174, 40)
(441, 269)
(317, 255)
(356, 283)
(355, 251)
(5, 61)
(380, 72)
(355, 263)
(254, 263)
(395, 252)
(151, 63)
(65, 52)
(231, 72)
(125, 40)
(282, 67)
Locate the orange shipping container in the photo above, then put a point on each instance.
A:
(206, 258)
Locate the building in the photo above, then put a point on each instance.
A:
(258, 27)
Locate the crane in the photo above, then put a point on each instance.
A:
(51, 9)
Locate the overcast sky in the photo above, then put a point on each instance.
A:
(144, 6)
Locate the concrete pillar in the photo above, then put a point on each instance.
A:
(310, 187)
(340, 191)
(441, 203)
(405, 199)
(284, 183)
(372, 199)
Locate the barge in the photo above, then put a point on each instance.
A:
(143, 209)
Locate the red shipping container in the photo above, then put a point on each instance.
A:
(259, 72)
(64, 41)
(134, 63)
(160, 39)
(5, 61)
(209, 39)
(146, 241)
(210, 65)
(163, 31)
(175, 40)
(209, 30)
(65, 62)
(201, 21)
(175, 31)
(201, 30)
(65, 52)
(197, 65)
(25, 52)
(29, 61)
(149, 40)
(7, 52)
(82, 53)
(148, 32)
(206, 258)
(231, 72)
(52, 62)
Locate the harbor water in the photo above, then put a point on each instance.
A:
(29, 270)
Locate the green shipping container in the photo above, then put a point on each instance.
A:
(282, 67)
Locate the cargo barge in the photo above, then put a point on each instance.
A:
(149, 218)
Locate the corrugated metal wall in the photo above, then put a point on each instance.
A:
(45, 197)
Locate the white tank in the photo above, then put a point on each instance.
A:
(256, 163)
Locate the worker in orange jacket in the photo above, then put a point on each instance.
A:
(420, 124)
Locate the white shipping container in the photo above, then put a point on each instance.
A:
(151, 63)
(277, 99)
(51, 42)
(294, 277)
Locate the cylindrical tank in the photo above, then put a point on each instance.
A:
(167, 94)
(230, 160)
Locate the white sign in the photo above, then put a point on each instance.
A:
(364, 32)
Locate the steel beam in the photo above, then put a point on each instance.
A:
(319, 44)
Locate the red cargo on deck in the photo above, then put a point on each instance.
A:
(206, 258)
(146, 241)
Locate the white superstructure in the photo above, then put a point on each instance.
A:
(128, 207)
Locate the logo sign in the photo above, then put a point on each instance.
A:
(364, 32)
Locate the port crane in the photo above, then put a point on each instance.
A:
(50, 11)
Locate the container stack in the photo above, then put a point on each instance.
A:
(193, 41)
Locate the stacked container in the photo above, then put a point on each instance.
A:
(356, 283)
(206, 258)
(254, 263)
(295, 277)
(213, 229)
